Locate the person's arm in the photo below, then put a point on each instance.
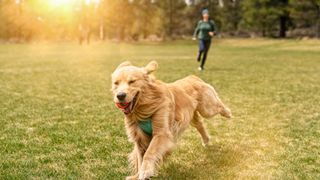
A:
(213, 27)
(196, 31)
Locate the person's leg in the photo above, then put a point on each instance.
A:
(205, 52)
(199, 56)
(201, 49)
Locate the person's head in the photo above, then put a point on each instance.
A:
(205, 14)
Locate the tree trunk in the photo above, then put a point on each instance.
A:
(221, 3)
(263, 32)
(19, 35)
(170, 17)
(101, 29)
(318, 23)
(283, 26)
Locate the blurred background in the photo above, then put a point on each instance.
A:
(154, 20)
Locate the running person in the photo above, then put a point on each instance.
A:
(204, 31)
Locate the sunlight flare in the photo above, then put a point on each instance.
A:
(61, 2)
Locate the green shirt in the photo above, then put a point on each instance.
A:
(203, 28)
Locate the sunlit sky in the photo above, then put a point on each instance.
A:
(63, 3)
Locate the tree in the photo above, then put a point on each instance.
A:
(306, 15)
(138, 19)
(231, 16)
(262, 15)
(283, 11)
(172, 15)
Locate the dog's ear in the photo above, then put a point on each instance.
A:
(126, 63)
(151, 67)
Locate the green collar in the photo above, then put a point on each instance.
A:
(146, 126)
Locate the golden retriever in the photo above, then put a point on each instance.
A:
(169, 108)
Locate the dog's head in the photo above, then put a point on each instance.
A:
(128, 81)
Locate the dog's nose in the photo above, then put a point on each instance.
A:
(121, 96)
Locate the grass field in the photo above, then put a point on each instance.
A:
(57, 119)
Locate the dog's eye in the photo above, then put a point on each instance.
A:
(132, 81)
(116, 83)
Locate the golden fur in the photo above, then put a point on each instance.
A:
(172, 107)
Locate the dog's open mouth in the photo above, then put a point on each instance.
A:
(127, 107)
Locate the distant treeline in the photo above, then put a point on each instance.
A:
(25, 20)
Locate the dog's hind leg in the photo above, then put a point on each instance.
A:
(197, 122)
(211, 105)
(226, 112)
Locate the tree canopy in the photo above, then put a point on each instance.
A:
(142, 19)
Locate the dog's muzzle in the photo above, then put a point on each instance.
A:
(127, 107)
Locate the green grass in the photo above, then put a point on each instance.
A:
(57, 119)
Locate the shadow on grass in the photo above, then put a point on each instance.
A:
(210, 163)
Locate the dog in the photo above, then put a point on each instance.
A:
(156, 113)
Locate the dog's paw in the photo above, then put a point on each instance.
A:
(206, 142)
(143, 175)
(147, 171)
(134, 177)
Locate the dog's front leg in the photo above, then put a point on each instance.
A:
(135, 160)
(161, 143)
(159, 146)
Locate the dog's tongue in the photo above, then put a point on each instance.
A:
(124, 106)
